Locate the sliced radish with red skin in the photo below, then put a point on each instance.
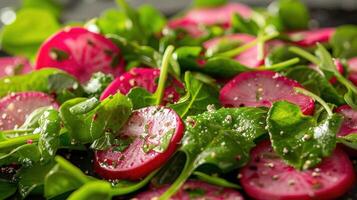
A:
(146, 127)
(248, 57)
(201, 189)
(349, 124)
(220, 15)
(352, 67)
(15, 107)
(262, 88)
(81, 53)
(311, 37)
(146, 78)
(267, 177)
(10, 66)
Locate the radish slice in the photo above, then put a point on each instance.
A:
(80, 53)
(268, 177)
(146, 78)
(248, 57)
(311, 37)
(155, 132)
(10, 66)
(193, 189)
(349, 124)
(15, 107)
(262, 88)
(221, 15)
(352, 66)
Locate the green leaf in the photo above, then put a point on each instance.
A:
(25, 35)
(349, 140)
(32, 119)
(224, 67)
(212, 138)
(50, 5)
(97, 84)
(49, 129)
(292, 13)
(215, 180)
(91, 124)
(198, 97)
(301, 140)
(209, 3)
(151, 19)
(93, 191)
(27, 155)
(140, 97)
(344, 41)
(243, 25)
(64, 86)
(32, 178)
(280, 54)
(7, 189)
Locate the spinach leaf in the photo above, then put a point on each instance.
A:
(64, 86)
(27, 155)
(96, 85)
(215, 180)
(349, 140)
(224, 67)
(210, 3)
(242, 25)
(49, 129)
(50, 5)
(25, 35)
(198, 97)
(140, 97)
(301, 140)
(213, 137)
(344, 42)
(86, 121)
(315, 82)
(32, 119)
(92, 191)
(7, 189)
(31, 179)
(293, 14)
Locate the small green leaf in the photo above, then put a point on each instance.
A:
(97, 84)
(7, 189)
(344, 42)
(349, 140)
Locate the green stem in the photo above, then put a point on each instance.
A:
(308, 56)
(18, 141)
(315, 97)
(116, 191)
(69, 167)
(247, 46)
(260, 46)
(20, 131)
(186, 172)
(281, 65)
(159, 93)
(345, 82)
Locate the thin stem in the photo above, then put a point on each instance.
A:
(247, 46)
(308, 56)
(13, 132)
(316, 98)
(159, 93)
(281, 65)
(345, 82)
(260, 46)
(18, 141)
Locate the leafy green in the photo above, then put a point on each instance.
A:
(212, 138)
(243, 25)
(92, 191)
(151, 19)
(32, 178)
(49, 129)
(349, 140)
(215, 180)
(64, 86)
(50, 5)
(7, 189)
(301, 140)
(26, 154)
(293, 14)
(25, 35)
(224, 67)
(344, 42)
(96, 85)
(92, 122)
(210, 3)
(198, 97)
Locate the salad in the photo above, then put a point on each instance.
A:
(221, 101)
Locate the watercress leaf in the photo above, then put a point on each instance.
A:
(198, 97)
(31, 27)
(94, 122)
(151, 19)
(212, 138)
(305, 146)
(223, 67)
(7, 189)
(242, 25)
(96, 85)
(64, 86)
(287, 10)
(141, 97)
(344, 41)
(31, 179)
(92, 191)
(49, 129)
(215, 180)
(349, 140)
(315, 82)
(26, 155)
(50, 5)
(210, 3)
(326, 63)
